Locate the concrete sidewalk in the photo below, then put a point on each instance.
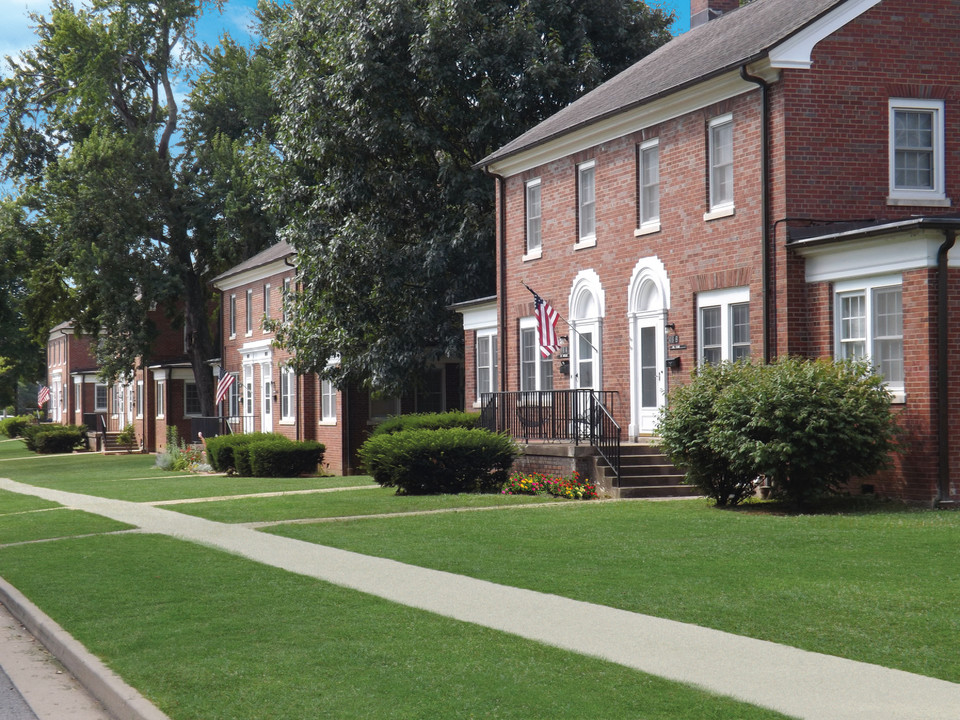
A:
(794, 682)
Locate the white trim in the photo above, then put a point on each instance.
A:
(538, 250)
(647, 229)
(480, 317)
(912, 250)
(797, 51)
(724, 299)
(724, 208)
(257, 274)
(647, 272)
(647, 225)
(589, 239)
(535, 255)
(722, 211)
(673, 105)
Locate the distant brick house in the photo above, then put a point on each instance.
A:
(269, 395)
(782, 179)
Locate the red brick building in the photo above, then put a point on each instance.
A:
(268, 395)
(782, 179)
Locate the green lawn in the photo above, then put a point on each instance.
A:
(251, 641)
(879, 587)
(209, 636)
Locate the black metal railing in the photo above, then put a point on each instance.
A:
(213, 426)
(578, 416)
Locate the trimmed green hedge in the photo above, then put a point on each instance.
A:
(448, 460)
(13, 426)
(49, 438)
(263, 455)
(428, 421)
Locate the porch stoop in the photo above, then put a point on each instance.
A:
(112, 446)
(645, 472)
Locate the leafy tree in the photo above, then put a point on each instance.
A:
(133, 213)
(385, 108)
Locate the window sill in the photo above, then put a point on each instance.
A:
(719, 212)
(327, 422)
(647, 229)
(587, 242)
(532, 255)
(899, 397)
(929, 201)
(287, 421)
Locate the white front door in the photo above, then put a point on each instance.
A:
(649, 360)
(266, 407)
(248, 398)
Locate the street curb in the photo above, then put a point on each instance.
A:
(120, 699)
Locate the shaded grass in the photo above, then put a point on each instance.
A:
(210, 636)
(346, 503)
(57, 523)
(880, 587)
(135, 478)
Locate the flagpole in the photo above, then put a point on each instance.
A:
(569, 325)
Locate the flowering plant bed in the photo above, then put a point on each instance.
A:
(574, 488)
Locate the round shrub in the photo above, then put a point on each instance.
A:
(428, 421)
(51, 438)
(13, 426)
(220, 449)
(449, 460)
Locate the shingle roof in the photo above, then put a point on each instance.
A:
(273, 253)
(713, 48)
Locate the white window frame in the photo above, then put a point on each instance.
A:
(934, 196)
(533, 213)
(586, 205)
(648, 186)
(161, 398)
(724, 300)
(199, 409)
(868, 288)
(486, 372)
(529, 355)
(328, 403)
(233, 400)
(249, 302)
(97, 405)
(233, 315)
(721, 205)
(288, 395)
(139, 399)
(285, 293)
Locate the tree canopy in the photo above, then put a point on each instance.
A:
(134, 206)
(385, 107)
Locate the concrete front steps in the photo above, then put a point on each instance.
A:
(645, 472)
(111, 445)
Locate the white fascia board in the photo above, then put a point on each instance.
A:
(872, 256)
(623, 123)
(182, 374)
(480, 317)
(264, 272)
(796, 51)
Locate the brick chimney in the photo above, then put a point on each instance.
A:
(702, 11)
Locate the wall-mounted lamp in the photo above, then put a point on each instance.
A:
(564, 367)
(672, 326)
(673, 363)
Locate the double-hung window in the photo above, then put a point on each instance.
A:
(191, 400)
(536, 371)
(869, 326)
(648, 186)
(328, 402)
(586, 204)
(917, 153)
(266, 301)
(723, 325)
(284, 295)
(233, 316)
(486, 362)
(100, 397)
(288, 385)
(533, 212)
(721, 166)
(249, 308)
(161, 398)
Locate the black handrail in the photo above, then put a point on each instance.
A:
(566, 415)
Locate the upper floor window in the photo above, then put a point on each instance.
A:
(917, 153)
(533, 219)
(648, 186)
(721, 166)
(285, 294)
(233, 316)
(249, 309)
(869, 326)
(586, 204)
(536, 371)
(266, 301)
(486, 360)
(724, 325)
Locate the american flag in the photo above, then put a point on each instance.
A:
(43, 395)
(546, 325)
(226, 380)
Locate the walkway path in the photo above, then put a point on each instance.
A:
(795, 682)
